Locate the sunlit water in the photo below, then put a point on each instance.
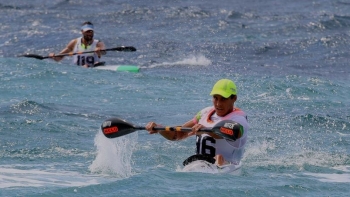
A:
(288, 59)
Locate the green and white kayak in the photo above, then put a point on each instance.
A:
(127, 68)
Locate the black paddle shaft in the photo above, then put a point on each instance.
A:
(121, 48)
(115, 127)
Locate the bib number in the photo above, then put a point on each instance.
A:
(204, 145)
(82, 60)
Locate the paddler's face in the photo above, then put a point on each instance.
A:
(88, 35)
(222, 105)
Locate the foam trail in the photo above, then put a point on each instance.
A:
(193, 60)
(114, 155)
(12, 177)
(332, 178)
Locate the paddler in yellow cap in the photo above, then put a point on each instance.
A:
(210, 145)
(83, 44)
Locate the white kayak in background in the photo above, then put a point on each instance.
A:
(128, 68)
(206, 167)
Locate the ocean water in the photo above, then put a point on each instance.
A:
(289, 59)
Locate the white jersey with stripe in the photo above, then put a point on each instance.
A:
(86, 58)
(232, 151)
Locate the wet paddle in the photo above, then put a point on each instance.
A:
(115, 127)
(121, 48)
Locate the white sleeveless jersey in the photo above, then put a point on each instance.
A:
(85, 58)
(232, 151)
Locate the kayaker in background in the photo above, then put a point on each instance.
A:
(224, 151)
(82, 44)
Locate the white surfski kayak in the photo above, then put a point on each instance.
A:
(206, 167)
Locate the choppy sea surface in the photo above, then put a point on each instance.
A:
(289, 59)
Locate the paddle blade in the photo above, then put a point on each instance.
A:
(33, 56)
(123, 48)
(229, 129)
(115, 127)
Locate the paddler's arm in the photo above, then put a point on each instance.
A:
(179, 135)
(69, 48)
(100, 47)
(170, 135)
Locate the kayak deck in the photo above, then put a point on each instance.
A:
(206, 167)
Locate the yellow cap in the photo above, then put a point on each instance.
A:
(225, 88)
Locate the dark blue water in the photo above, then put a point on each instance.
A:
(290, 61)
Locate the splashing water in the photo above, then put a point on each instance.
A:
(193, 60)
(114, 155)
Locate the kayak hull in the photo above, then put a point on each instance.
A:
(206, 167)
(122, 68)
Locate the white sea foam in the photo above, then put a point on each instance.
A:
(267, 153)
(342, 177)
(113, 158)
(198, 60)
(334, 177)
(11, 176)
(343, 168)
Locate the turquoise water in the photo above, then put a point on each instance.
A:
(288, 59)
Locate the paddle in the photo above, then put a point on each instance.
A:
(121, 48)
(115, 127)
